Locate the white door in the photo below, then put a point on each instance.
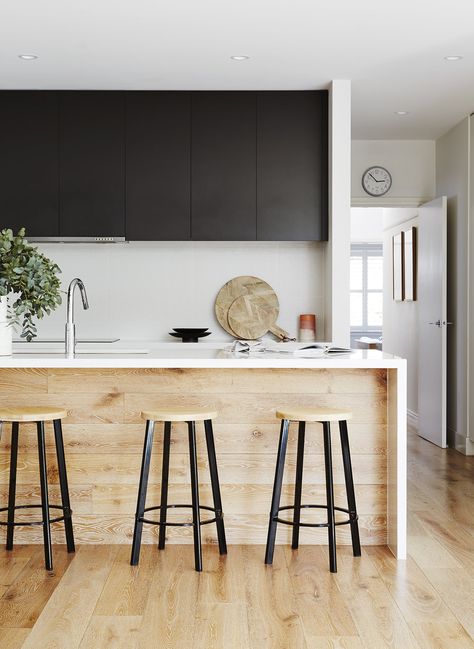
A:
(432, 320)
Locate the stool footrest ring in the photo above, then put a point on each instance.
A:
(339, 509)
(66, 514)
(218, 516)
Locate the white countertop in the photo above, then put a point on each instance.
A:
(185, 355)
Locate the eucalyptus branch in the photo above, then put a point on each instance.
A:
(32, 277)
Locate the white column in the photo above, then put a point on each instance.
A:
(338, 249)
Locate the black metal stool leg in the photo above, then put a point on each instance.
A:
(280, 465)
(164, 484)
(195, 495)
(63, 484)
(330, 497)
(145, 470)
(12, 485)
(48, 558)
(351, 501)
(298, 485)
(216, 492)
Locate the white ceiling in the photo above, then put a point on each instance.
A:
(393, 51)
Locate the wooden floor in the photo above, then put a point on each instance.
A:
(95, 600)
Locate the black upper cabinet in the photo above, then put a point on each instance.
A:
(92, 165)
(292, 183)
(158, 146)
(223, 166)
(29, 162)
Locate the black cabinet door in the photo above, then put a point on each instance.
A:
(92, 183)
(158, 134)
(29, 162)
(223, 166)
(292, 165)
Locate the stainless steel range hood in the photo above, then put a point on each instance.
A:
(77, 239)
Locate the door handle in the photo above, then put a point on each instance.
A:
(438, 323)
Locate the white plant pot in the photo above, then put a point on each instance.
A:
(6, 331)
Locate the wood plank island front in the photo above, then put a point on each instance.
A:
(103, 434)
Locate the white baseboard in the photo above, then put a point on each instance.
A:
(460, 442)
(412, 419)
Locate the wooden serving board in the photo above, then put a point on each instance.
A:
(247, 307)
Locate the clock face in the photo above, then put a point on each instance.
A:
(376, 181)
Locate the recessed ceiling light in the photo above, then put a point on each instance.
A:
(241, 57)
(27, 57)
(402, 112)
(453, 58)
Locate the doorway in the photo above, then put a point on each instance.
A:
(375, 314)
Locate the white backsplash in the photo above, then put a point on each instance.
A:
(139, 291)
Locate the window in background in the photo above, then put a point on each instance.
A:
(366, 290)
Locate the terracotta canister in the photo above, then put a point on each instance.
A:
(307, 327)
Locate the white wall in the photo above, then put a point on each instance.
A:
(452, 180)
(338, 248)
(367, 224)
(411, 164)
(141, 290)
(400, 319)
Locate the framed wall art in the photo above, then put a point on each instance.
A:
(397, 266)
(409, 263)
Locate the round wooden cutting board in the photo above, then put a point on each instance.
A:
(251, 317)
(247, 307)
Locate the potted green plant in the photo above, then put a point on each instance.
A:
(29, 287)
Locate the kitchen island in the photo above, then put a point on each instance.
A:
(105, 392)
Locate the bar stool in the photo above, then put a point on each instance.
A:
(39, 415)
(323, 416)
(168, 416)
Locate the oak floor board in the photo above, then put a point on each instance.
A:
(219, 625)
(112, 632)
(431, 621)
(13, 638)
(66, 616)
(379, 621)
(172, 603)
(322, 606)
(12, 564)
(271, 603)
(125, 592)
(446, 574)
(24, 600)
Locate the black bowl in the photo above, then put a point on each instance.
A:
(190, 330)
(190, 337)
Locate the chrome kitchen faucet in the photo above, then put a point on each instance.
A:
(70, 337)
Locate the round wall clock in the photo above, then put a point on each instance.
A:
(376, 181)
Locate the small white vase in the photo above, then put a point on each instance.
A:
(6, 331)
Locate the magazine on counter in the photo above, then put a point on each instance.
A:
(320, 349)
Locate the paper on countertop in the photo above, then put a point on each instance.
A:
(247, 346)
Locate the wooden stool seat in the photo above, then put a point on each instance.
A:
(31, 413)
(178, 413)
(314, 414)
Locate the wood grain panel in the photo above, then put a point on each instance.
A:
(107, 529)
(217, 381)
(238, 498)
(367, 439)
(257, 408)
(30, 380)
(104, 436)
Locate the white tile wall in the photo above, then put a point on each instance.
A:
(141, 290)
